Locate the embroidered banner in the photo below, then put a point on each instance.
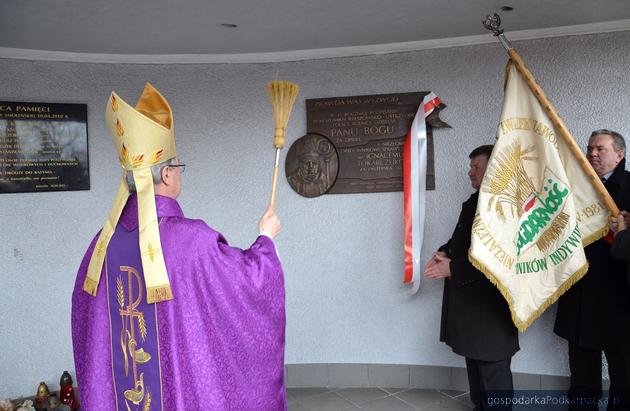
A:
(536, 209)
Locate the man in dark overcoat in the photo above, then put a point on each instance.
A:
(594, 314)
(476, 321)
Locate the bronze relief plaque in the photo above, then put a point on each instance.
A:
(311, 165)
(368, 133)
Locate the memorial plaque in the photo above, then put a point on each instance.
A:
(368, 133)
(311, 165)
(43, 147)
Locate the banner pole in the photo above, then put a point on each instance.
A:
(493, 23)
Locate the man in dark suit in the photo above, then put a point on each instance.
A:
(594, 315)
(476, 320)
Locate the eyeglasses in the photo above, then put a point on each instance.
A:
(182, 167)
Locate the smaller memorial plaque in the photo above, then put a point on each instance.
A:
(311, 165)
(43, 147)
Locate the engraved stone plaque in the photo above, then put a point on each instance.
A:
(368, 133)
(311, 165)
(43, 147)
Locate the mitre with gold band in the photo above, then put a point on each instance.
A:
(143, 137)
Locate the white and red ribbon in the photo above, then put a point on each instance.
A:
(414, 182)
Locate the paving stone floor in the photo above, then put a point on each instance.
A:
(376, 399)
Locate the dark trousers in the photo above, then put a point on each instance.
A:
(490, 384)
(586, 378)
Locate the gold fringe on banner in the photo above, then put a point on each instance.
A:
(523, 325)
(595, 236)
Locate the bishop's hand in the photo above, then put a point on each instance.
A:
(269, 223)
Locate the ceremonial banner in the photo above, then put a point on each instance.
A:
(414, 184)
(536, 209)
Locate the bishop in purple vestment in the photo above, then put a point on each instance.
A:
(217, 344)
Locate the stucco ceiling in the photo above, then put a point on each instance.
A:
(197, 27)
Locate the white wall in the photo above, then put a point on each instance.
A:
(342, 254)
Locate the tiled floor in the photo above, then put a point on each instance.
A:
(376, 399)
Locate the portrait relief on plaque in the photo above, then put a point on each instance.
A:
(311, 165)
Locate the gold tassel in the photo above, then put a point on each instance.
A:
(157, 294)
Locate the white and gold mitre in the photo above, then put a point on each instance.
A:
(143, 137)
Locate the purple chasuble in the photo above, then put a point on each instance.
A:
(218, 345)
